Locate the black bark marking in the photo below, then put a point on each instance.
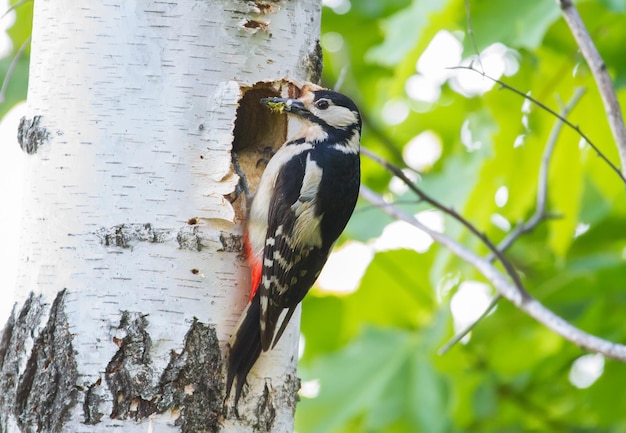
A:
(31, 135)
(15, 335)
(265, 410)
(285, 396)
(289, 396)
(192, 381)
(124, 235)
(314, 62)
(189, 239)
(91, 404)
(46, 393)
(129, 374)
(231, 243)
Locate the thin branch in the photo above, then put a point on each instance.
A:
(554, 113)
(541, 214)
(459, 335)
(12, 66)
(541, 210)
(367, 208)
(454, 214)
(600, 74)
(470, 33)
(524, 302)
(340, 79)
(13, 7)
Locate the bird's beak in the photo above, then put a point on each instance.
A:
(278, 105)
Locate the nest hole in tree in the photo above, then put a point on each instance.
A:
(258, 133)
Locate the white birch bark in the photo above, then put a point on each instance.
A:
(126, 234)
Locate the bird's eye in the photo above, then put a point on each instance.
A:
(322, 104)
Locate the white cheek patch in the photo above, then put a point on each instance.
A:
(337, 117)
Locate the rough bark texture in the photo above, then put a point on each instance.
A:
(131, 278)
(46, 391)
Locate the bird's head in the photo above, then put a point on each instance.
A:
(333, 114)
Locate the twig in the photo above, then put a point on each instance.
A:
(9, 73)
(508, 290)
(551, 111)
(13, 7)
(369, 207)
(540, 214)
(340, 79)
(541, 211)
(462, 333)
(454, 214)
(470, 32)
(601, 76)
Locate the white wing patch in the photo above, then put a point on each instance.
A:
(259, 211)
(306, 230)
(264, 306)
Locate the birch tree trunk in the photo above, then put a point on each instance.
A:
(131, 278)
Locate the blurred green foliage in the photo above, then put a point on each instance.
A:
(17, 81)
(374, 352)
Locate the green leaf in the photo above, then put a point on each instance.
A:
(615, 5)
(566, 193)
(485, 400)
(378, 9)
(383, 378)
(513, 23)
(22, 28)
(352, 380)
(402, 31)
(17, 85)
(367, 222)
(395, 291)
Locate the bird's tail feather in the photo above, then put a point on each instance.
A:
(244, 347)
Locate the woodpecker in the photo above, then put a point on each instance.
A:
(304, 200)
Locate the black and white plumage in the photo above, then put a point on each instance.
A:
(303, 202)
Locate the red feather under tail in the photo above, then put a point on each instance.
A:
(256, 269)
